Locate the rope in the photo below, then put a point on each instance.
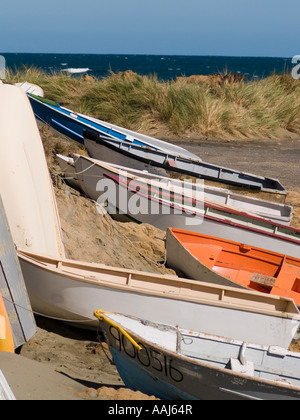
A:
(100, 315)
(105, 213)
(44, 315)
(77, 173)
(71, 174)
(158, 264)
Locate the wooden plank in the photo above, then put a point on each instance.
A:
(263, 280)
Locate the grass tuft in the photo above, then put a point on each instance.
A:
(212, 106)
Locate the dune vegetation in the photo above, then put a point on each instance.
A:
(217, 106)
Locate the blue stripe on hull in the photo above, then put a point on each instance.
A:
(60, 119)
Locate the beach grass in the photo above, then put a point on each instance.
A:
(197, 106)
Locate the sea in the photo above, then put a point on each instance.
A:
(165, 67)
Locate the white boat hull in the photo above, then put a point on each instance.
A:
(84, 173)
(26, 187)
(72, 291)
(210, 220)
(226, 229)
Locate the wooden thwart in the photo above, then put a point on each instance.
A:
(263, 280)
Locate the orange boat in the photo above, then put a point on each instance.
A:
(6, 337)
(220, 261)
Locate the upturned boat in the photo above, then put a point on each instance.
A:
(26, 186)
(172, 363)
(15, 305)
(220, 261)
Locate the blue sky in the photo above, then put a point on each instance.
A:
(189, 27)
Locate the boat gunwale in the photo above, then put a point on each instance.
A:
(188, 359)
(54, 266)
(150, 162)
(206, 203)
(225, 221)
(90, 120)
(117, 169)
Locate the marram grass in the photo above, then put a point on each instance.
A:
(186, 107)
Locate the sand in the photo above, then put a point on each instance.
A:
(63, 362)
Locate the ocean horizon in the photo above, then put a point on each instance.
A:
(166, 67)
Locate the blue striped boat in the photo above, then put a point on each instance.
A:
(72, 124)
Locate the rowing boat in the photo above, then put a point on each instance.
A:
(167, 163)
(71, 290)
(220, 261)
(72, 125)
(26, 186)
(173, 363)
(84, 173)
(137, 200)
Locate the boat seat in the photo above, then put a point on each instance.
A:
(267, 282)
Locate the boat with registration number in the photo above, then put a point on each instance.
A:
(172, 363)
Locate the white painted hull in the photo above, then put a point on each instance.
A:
(31, 88)
(26, 187)
(72, 291)
(180, 259)
(226, 229)
(210, 220)
(176, 364)
(84, 173)
(210, 225)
